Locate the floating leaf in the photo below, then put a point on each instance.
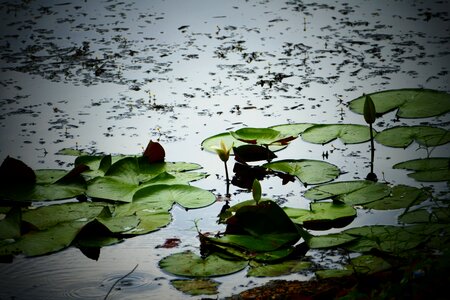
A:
(363, 264)
(307, 171)
(210, 143)
(403, 136)
(411, 103)
(322, 215)
(423, 215)
(347, 133)
(278, 269)
(427, 169)
(262, 136)
(401, 196)
(350, 192)
(294, 129)
(190, 264)
(195, 287)
(10, 225)
(164, 196)
(43, 242)
(48, 186)
(329, 240)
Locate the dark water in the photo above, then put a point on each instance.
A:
(107, 76)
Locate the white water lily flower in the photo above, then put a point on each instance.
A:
(223, 151)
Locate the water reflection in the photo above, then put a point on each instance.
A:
(109, 76)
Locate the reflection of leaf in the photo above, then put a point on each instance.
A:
(427, 169)
(307, 171)
(191, 265)
(411, 103)
(347, 133)
(403, 136)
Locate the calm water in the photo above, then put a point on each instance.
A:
(107, 76)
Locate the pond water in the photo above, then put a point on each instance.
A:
(108, 76)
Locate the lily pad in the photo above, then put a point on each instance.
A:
(10, 226)
(423, 215)
(195, 287)
(262, 136)
(350, 192)
(347, 133)
(401, 196)
(323, 215)
(48, 187)
(411, 103)
(307, 171)
(293, 129)
(329, 240)
(427, 169)
(363, 264)
(277, 269)
(163, 196)
(190, 264)
(403, 136)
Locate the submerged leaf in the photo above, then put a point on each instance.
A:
(411, 103)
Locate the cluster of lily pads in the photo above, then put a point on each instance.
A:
(117, 197)
(271, 240)
(112, 197)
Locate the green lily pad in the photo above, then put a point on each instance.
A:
(347, 133)
(190, 264)
(277, 269)
(43, 242)
(10, 226)
(163, 196)
(403, 136)
(329, 240)
(364, 264)
(350, 192)
(411, 103)
(427, 169)
(195, 287)
(262, 136)
(294, 129)
(209, 143)
(48, 187)
(423, 215)
(322, 215)
(46, 217)
(401, 196)
(307, 171)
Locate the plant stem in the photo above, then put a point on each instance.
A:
(372, 149)
(227, 179)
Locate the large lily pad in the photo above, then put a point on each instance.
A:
(190, 264)
(411, 103)
(403, 136)
(306, 170)
(49, 185)
(293, 129)
(277, 269)
(427, 169)
(258, 228)
(322, 215)
(347, 133)
(262, 136)
(163, 196)
(195, 287)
